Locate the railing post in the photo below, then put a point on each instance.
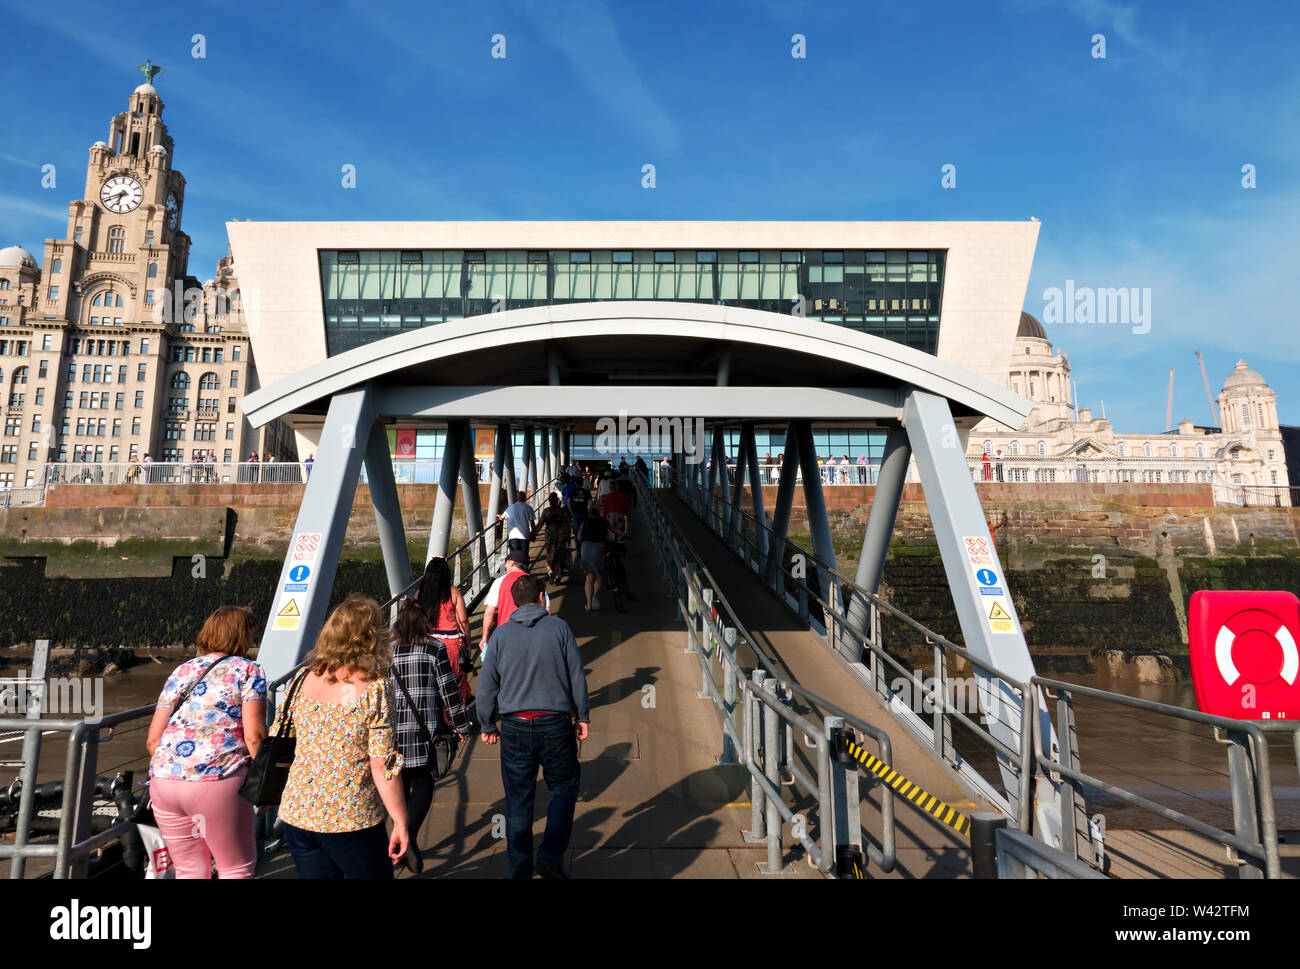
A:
(984, 828)
(83, 806)
(772, 768)
(1245, 807)
(31, 755)
(844, 812)
(728, 653)
(753, 744)
(942, 723)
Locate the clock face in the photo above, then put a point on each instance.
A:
(121, 194)
(173, 210)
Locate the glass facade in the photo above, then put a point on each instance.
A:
(372, 294)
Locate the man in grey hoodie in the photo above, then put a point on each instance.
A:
(533, 682)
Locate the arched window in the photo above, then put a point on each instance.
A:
(4, 284)
(1042, 449)
(107, 298)
(20, 375)
(988, 447)
(209, 381)
(57, 266)
(1015, 449)
(153, 270)
(1122, 448)
(1173, 451)
(1147, 450)
(1200, 450)
(181, 381)
(117, 239)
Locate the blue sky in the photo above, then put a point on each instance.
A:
(1132, 163)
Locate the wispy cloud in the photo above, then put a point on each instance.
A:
(586, 34)
(18, 203)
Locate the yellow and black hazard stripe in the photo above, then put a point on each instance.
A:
(921, 799)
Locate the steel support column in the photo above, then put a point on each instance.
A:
(985, 610)
(750, 448)
(545, 474)
(784, 502)
(440, 530)
(388, 510)
(530, 459)
(508, 467)
(720, 472)
(880, 521)
(499, 448)
(469, 488)
(737, 486)
(818, 519)
(297, 613)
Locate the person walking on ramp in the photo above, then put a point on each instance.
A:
(533, 682)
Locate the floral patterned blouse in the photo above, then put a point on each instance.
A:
(330, 787)
(204, 739)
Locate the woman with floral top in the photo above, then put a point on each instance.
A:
(346, 768)
(200, 750)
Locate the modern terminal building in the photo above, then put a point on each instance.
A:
(950, 291)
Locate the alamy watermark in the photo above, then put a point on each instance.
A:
(658, 435)
(1084, 304)
(81, 696)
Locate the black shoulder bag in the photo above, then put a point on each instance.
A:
(443, 743)
(143, 813)
(269, 771)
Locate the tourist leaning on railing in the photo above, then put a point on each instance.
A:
(346, 767)
(210, 720)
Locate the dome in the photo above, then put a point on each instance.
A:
(1030, 327)
(1243, 376)
(16, 257)
(99, 144)
(146, 89)
(158, 149)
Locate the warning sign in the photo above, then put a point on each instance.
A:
(289, 615)
(979, 552)
(1000, 620)
(305, 547)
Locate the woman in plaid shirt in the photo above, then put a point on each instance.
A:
(420, 660)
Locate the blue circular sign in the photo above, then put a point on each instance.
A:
(299, 573)
(986, 576)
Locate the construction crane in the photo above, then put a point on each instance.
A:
(1209, 395)
(1169, 406)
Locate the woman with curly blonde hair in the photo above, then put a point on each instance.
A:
(346, 768)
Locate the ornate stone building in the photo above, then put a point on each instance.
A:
(1244, 459)
(110, 349)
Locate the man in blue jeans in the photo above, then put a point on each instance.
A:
(533, 682)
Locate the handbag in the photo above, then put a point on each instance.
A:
(443, 743)
(269, 772)
(143, 813)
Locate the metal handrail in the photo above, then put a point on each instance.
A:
(79, 769)
(1266, 849)
(838, 622)
(764, 702)
(1031, 758)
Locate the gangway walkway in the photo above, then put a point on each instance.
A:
(653, 801)
(925, 847)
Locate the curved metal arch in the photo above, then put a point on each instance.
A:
(723, 324)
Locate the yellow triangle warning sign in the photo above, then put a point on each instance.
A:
(997, 612)
(290, 609)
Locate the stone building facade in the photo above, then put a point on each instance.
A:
(110, 350)
(1243, 459)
